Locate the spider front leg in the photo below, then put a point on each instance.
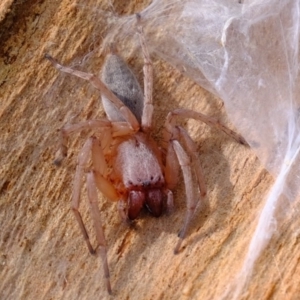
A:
(177, 157)
(192, 151)
(174, 133)
(185, 164)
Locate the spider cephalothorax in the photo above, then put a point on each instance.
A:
(141, 172)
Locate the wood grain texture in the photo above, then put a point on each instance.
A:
(42, 252)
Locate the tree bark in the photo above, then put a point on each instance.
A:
(42, 252)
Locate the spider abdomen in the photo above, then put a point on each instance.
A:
(122, 82)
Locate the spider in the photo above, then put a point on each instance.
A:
(127, 165)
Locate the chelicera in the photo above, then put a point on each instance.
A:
(124, 162)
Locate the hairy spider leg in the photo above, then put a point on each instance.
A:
(98, 84)
(148, 80)
(210, 121)
(95, 213)
(172, 136)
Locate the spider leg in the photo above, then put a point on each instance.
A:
(176, 155)
(212, 122)
(95, 178)
(117, 129)
(185, 165)
(174, 133)
(148, 80)
(104, 186)
(77, 186)
(192, 151)
(172, 167)
(91, 146)
(100, 171)
(68, 129)
(98, 84)
(171, 173)
(95, 213)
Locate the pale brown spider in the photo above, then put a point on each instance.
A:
(127, 164)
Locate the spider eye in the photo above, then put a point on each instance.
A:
(154, 201)
(136, 200)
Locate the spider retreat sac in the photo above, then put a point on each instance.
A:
(127, 165)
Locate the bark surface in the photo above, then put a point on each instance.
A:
(42, 252)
